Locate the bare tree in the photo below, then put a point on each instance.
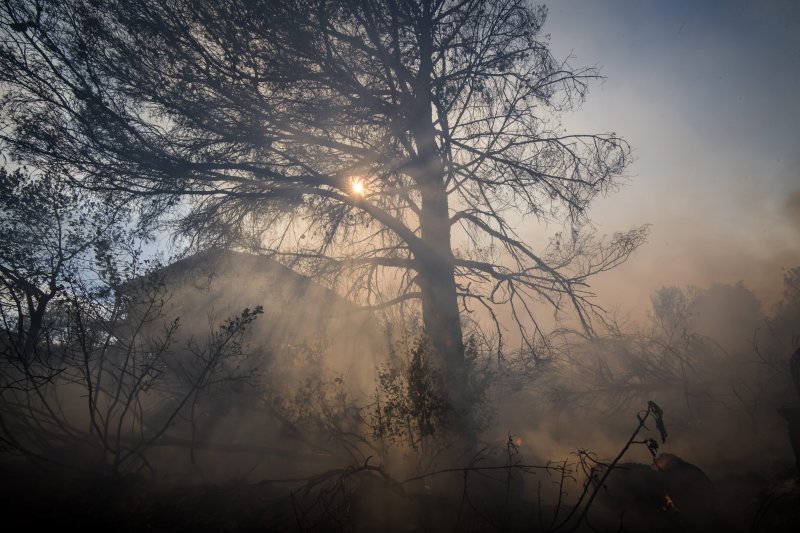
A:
(392, 147)
(86, 379)
(49, 230)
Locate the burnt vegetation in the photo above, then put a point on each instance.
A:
(330, 347)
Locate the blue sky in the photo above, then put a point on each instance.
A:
(707, 93)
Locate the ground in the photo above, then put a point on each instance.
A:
(39, 499)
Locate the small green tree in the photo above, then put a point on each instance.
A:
(411, 405)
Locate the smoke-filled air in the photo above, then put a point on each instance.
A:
(399, 265)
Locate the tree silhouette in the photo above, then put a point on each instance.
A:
(392, 148)
(51, 232)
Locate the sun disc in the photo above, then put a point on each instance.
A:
(358, 187)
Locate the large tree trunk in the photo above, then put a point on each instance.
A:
(436, 276)
(438, 287)
(436, 279)
(440, 306)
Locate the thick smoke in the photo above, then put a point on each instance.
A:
(713, 358)
(260, 375)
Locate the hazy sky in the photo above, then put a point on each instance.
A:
(708, 95)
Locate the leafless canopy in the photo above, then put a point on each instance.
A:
(251, 121)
